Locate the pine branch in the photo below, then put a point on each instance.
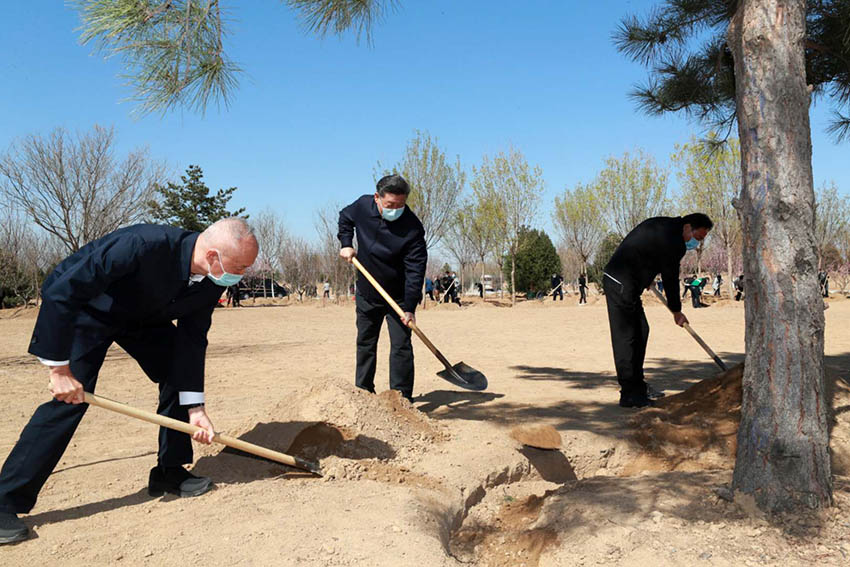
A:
(839, 129)
(338, 16)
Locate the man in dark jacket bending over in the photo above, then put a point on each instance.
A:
(126, 288)
(391, 242)
(656, 245)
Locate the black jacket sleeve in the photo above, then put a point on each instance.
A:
(86, 275)
(191, 349)
(415, 260)
(670, 278)
(345, 231)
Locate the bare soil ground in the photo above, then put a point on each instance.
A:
(441, 481)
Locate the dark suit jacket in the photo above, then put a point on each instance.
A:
(653, 247)
(132, 278)
(393, 252)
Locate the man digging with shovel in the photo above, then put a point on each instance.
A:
(391, 240)
(127, 287)
(655, 246)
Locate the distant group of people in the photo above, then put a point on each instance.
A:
(557, 283)
(443, 289)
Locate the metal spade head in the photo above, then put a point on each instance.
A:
(465, 376)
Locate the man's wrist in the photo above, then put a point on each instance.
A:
(193, 406)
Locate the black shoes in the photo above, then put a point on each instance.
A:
(12, 529)
(653, 394)
(635, 401)
(177, 480)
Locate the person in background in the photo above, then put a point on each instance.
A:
(429, 289)
(557, 287)
(695, 286)
(582, 289)
(739, 287)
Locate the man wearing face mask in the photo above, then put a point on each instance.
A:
(391, 246)
(127, 287)
(655, 246)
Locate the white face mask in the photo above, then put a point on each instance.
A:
(390, 215)
(225, 279)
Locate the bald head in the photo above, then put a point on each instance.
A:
(226, 245)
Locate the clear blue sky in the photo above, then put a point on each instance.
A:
(313, 116)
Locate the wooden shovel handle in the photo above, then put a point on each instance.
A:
(693, 333)
(190, 429)
(400, 312)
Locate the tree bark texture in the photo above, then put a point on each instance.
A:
(783, 456)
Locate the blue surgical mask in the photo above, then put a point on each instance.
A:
(225, 279)
(692, 244)
(391, 214)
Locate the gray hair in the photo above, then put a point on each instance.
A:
(230, 233)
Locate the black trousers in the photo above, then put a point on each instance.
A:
(46, 436)
(583, 291)
(629, 335)
(556, 293)
(370, 316)
(695, 293)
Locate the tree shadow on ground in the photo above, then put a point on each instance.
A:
(689, 496)
(662, 373)
(603, 416)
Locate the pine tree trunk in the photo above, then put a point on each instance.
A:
(783, 458)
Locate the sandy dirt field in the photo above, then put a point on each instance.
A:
(440, 482)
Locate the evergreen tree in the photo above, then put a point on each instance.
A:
(686, 45)
(189, 205)
(536, 260)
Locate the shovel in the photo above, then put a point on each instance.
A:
(553, 290)
(460, 374)
(178, 425)
(693, 333)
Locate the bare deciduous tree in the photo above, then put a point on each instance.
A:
(435, 184)
(300, 263)
(460, 243)
(634, 189)
(74, 187)
(579, 220)
(339, 273)
(272, 237)
(832, 220)
(512, 190)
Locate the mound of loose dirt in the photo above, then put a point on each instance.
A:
(337, 422)
(697, 429)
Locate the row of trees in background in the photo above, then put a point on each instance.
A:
(62, 191)
(591, 219)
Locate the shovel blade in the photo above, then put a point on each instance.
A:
(465, 376)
